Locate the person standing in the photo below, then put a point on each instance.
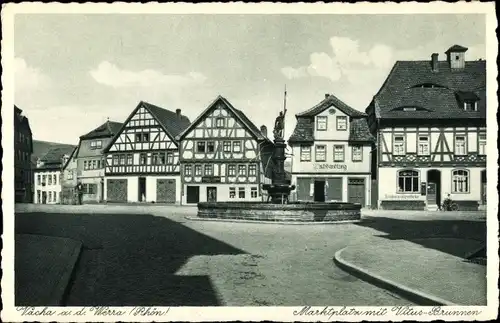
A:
(79, 192)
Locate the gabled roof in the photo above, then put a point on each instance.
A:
(54, 157)
(329, 101)
(399, 90)
(237, 113)
(41, 148)
(304, 129)
(70, 157)
(107, 129)
(171, 122)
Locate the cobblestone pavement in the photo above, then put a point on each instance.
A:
(273, 265)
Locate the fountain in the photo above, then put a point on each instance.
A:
(278, 207)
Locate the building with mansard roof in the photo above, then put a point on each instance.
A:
(429, 120)
(142, 159)
(224, 156)
(330, 160)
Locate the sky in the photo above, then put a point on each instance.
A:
(74, 71)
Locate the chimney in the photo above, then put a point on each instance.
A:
(434, 62)
(327, 96)
(263, 130)
(178, 112)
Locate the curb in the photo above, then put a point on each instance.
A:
(410, 294)
(63, 287)
(194, 218)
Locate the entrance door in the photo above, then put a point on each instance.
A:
(117, 190)
(142, 189)
(319, 191)
(212, 194)
(192, 194)
(483, 187)
(44, 197)
(431, 194)
(356, 191)
(165, 190)
(102, 191)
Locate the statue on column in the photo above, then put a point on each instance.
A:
(279, 125)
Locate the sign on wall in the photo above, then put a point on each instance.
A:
(402, 196)
(210, 179)
(325, 166)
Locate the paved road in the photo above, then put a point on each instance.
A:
(136, 259)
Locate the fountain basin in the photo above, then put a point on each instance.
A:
(293, 211)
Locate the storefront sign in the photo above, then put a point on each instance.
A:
(325, 166)
(210, 179)
(402, 196)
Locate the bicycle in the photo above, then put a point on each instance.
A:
(450, 206)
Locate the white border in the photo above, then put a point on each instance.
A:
(9, 313)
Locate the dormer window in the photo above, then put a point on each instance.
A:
(470, 106)
(409, 109)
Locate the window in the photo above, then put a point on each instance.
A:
(252, 170)
(38, 179)
(170, 158)
(92, 144)
(236, 146)
(398, 148)
(43, 179)
(341, 123)
(231, 170)
(321, 123)
(143, 159)
(338, 153)
(188, 170)
(122, 159)
(50, 196)
(232, 192)
(320, 153)
(99, 144)
(130, 160)
(460, 143)
(138, 137)
(55, 179)
(197, 170)
(69, 175)
(209, 170)
(50, 180)
(85, 165)
(242, 170)
(305, 153)
(155, 159)
(89, 188)
(357, 153)
(423, 145)
(220, 122)
(460, 181)
(142, 137)
(98, 164)
(145, 137)
(253, 192)
(200, 147)
(227, 146)
(241, 192)
(470, 106)
(210, 147)
(482, 144)
(408, 181)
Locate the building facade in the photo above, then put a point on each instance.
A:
(90, 161)
(23, 149)
(69, 180)
(429, 119)
(330, 161)
(48, 187)
(224, 156)
(142, 159)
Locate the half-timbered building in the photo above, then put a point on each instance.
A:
(142, 159)
(224, 156)
(330, 161)
(429, 118)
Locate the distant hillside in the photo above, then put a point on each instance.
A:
(40, 148)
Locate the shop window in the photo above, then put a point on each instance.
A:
(408, 181)
(460, 181)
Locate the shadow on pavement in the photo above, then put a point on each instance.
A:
(425, 232)
(130, 259)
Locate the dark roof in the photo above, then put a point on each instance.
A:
(359, 130)
(173, 123)
(328, 102)
(456, 48)
(304, 129)
(402, 88)
(107, 129)
(41, 148)
(53, 158)
(238, 113)
(70, 157)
